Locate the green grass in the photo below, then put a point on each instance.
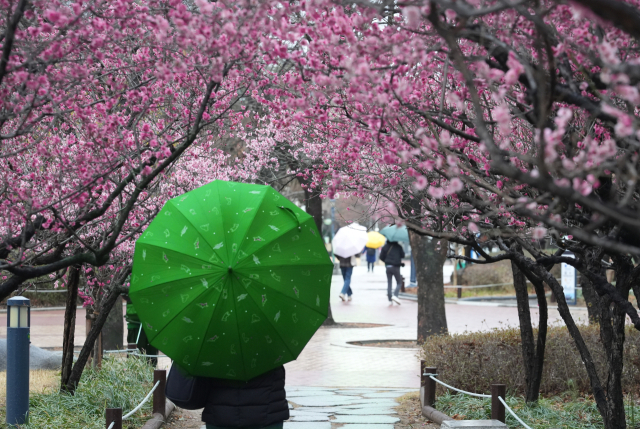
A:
(555, 412)
(120, 383)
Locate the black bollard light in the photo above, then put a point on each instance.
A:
(18, 339)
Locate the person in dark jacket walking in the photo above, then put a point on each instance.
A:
(258, 403)
(371, 257)
(392, 254)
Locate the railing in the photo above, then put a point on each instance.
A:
(460, 288)
(498, 403)
(114, 416)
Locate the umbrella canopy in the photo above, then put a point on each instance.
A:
(395, 233)
(376, 240)
(231, 280)
(350, 240)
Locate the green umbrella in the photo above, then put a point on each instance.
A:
(231, 280)
(395, 233)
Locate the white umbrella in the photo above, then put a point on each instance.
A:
(350, 240)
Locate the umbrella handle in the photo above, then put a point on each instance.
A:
(292, 214)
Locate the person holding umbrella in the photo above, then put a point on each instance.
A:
(375, 241)
(231, 281)
(348, 242)
(392, 254)
(346, 268)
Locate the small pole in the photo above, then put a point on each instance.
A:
(459, 292)
(113, 415)
(99, 351)
(87, 326)
(18, 340)
(159, 401)
(402, 285)
(497, 409)
(429, 386)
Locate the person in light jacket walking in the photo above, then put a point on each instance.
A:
(392, 254)
(346, 267)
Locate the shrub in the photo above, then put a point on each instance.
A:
(120, 383)
(473, 361)
(561, 413)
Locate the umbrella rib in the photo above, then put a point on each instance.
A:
(264, 195)
(280, 293)
(274, 239)
(178, 313)
(196, 228)
(194, 257)
(210, 321)
(287, 297)
(235, 307)
(272, 325)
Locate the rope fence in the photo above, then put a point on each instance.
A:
(477, 395)
(487, 286)
(428, 397)
(513, 414)
(144, 401)
(114, 416)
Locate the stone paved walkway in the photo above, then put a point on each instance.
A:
(352, 408)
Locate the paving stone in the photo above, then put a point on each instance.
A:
(374, 418)
(473, 424)
(319, 410)
(365, 411)
(306, 425)
(372, 404)
(367, 426)
(324, 401)
(309, 418)
(383, 395)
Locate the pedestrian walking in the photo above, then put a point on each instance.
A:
(346, 267)
(257, 403)
(392, 254)
(371, 258)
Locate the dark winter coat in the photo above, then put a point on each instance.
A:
(371, 254)
(258, 402)
(392, 254)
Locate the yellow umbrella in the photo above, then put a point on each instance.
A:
(375, 240)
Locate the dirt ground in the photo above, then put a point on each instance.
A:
(408, 410)
(184, 419)
(410, 413)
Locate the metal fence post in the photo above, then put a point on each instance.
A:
(113, 415)
(429, 386)
(497, 409)
(159, 401)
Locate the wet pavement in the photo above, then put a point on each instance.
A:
(347, 408)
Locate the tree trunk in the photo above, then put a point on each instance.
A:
(69, 325)
(92, 335)
(313, 206)
(532, 355)
(542, 333)
(563, 309)
(430, 255)
(592, 300)
(532, 378)
(592, 258)
(612, 319)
